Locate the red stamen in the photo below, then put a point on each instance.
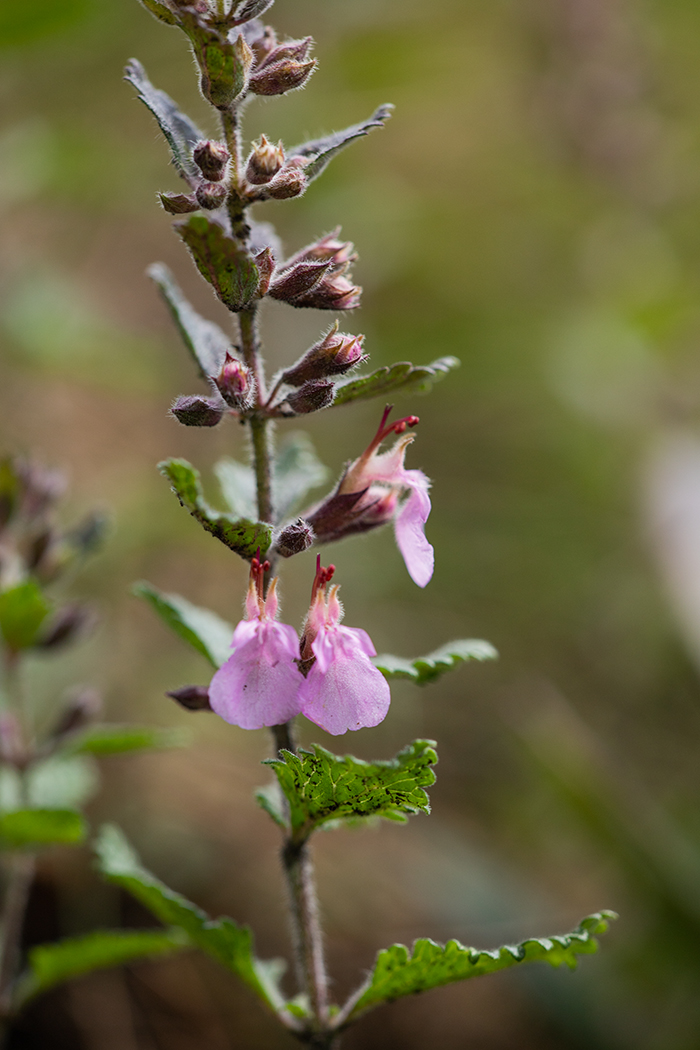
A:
(393, 428)
(322, 577)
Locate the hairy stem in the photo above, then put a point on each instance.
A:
(21, 868)
(308, 940)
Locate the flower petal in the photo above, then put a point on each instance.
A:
(350, 693)
(259, 683)
(409, 529)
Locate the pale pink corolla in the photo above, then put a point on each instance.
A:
(387, 485)
(259, 683)
(343, 690)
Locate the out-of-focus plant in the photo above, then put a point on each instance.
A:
(267, 673)
(47, 770)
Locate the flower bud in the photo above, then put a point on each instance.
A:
(265, 262)
(264, 162)
(297, 50)
(198, 411)
(235, 384)
(311, 397)
(327, 249)
(211, 158)
(192, 697)
(289, 182)
(297, 280)
(276, 78)
(295, 538)
(333, 292)
(178, 203)
(211, 195)
(335, 354)
(67, 624)
(83, 708)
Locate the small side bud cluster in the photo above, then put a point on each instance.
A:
(198, 411)
(211, 158)
(264, 161)
(295, 538)
(178, 203)
(282, 67)
(316, 276)
(311, 397)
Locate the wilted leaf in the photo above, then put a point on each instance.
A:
(230, 944)
(424, 669)
(207, 343)
(181, 133)
(297, 470)
(242, 536)
(113, 739)
(321, 151)
(51, 964)
(397, 972)
(23, 609)
(229, 269)
(389, 379)
(321, 787)
(41, 827)
(204, 630)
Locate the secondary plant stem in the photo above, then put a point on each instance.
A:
(20, 874)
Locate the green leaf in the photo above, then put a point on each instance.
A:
(389, 379)
(242, 536)
(10, 487)
(61, 782)
(161, 12)
(237, 486)
(204, 630)
(51, 964)
(207, 343)
(424, 669)
(41, 827)
(321, 151)
(397, 972)
(297, 470)
(229, 269)
(181, 133)
(115, 739)
(23, 609)
(322, 787)
(230, 944)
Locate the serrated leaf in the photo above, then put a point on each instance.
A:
(237, 487)
(321, 151)
(207, 343)
(391, 378)
(51, 964)
(23, 609)
(230, 944)
(202, 629)
(181, 133)
(113, 739)
(322, 787)
(161, 12)
(242, 536)
(297, 470)
(397, 972)
(41, 827)
(229, 269)
(424, 669)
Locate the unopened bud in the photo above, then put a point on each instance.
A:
(265, 160)
(335, 354)
(211, 158)
(276, 78)
(192, 697)
(69, 622)
(83, 708)
(327, 249)
(178, 203)
(298, 50)
(311, 397)
(289, 182)
(297, 280)
(211, 195)
(235, 384)
(333, 292)
(265, 262)
(295, 538)
(198, 411)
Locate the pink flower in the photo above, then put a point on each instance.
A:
(259, 683)
(376, 488)
(343, 690)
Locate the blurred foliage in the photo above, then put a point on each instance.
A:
(532, 209)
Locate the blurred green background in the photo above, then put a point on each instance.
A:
(532, 208)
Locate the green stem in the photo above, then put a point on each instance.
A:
(21, 867)
(308, 939)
